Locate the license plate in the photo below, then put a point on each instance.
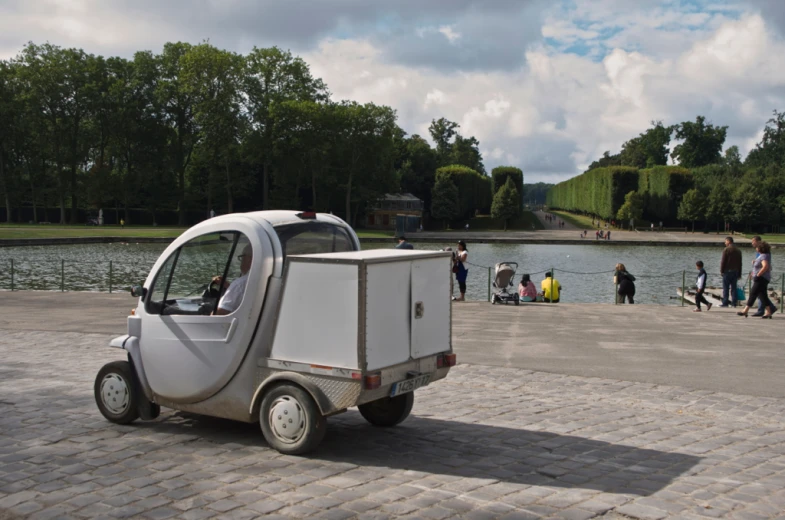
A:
(409, 385)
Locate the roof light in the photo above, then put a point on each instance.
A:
(307, 215)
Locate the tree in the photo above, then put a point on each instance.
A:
(273, 76)
(453, 148)
(606, 160)
(506, 202)
(702, 143)
(692, 207)
(749, 204)
(444, 200)
(442, 132)
(211, 78)
(632, 209)
(466, 152)
(720, 204)
(417, 163)
(771, 149)
(649, 148)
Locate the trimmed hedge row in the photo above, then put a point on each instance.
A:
(500, 174)
(601, 191)
(597, 192)
(474, 189)
(662, 188)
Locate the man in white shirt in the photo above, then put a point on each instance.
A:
(233, 296)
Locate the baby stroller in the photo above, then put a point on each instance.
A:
(505, 272)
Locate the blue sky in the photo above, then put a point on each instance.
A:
(544, 85)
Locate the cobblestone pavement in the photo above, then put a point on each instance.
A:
(487, 442)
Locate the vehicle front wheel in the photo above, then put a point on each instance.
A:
(388, 411)
(290, 419)
(115, 394)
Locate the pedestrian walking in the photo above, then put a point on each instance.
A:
(730, 268)
(761, 276)
(756, 242)
(701, 287)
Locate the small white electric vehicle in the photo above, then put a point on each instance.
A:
(279, 317)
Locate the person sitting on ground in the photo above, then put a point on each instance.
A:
(526, 289)
(233, 296)
(403, 244)
(626, 284)
(551, 289)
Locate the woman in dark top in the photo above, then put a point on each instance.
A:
(626, 283)
(460, 269)
(761, 276)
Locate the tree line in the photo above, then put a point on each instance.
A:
(709, 186)
(195, 128)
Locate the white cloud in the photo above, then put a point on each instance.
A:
(449, 32)
(559, 112)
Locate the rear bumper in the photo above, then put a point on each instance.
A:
(339, 392)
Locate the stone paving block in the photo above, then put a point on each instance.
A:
(643, 512)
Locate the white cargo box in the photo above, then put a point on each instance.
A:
(364, 310)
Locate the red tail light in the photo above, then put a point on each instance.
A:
(307, 215)
(373, 381)
(450, 360)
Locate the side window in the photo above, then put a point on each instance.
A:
(155, 300)
(183, 284)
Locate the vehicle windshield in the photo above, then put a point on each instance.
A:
(312, 237)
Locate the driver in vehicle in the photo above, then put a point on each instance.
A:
(234, 291)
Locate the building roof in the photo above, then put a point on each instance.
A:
(399, 196)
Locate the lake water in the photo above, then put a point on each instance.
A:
(585, 271)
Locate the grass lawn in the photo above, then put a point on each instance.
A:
(524, 222)
(374, 233)
(579, 221)
(771, 239)
(12, 231)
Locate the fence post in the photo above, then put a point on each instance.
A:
(489, 283)
(683, 286)
(110, 277)
(616, 291)
(62, 275)
(12, 275)
(782, 294)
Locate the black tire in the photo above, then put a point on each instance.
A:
(388, 411)
(115, 394)
(517, 300)
(287, 405)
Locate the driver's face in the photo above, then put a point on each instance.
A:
(245, 259)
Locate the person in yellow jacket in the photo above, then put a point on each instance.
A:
(551, 289)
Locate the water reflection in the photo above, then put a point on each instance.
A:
(658, 268)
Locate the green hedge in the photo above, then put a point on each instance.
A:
(662, 188)
(598, 192)
(500, 174)
(474, 189)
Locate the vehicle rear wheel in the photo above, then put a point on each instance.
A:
(388, 411)
(290, 419)
(115, 394)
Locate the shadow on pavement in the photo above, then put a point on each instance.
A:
(472, 450)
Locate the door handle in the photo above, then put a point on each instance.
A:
(419, 310)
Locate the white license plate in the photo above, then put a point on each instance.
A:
(409, 385)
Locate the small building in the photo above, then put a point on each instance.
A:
(384, 211)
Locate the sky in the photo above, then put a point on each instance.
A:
(544, 85)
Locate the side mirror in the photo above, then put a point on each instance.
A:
(137, 291)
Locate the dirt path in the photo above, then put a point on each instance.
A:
(553, 224)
